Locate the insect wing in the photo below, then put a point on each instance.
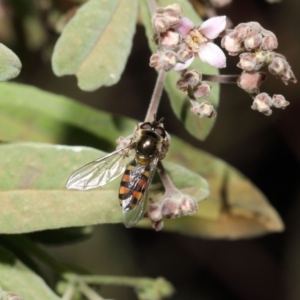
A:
(132, 216)
(100, 171)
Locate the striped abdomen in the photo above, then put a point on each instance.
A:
(134, 183)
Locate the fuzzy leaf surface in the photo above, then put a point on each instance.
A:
(33, 194)
(17, 277)
(31, 114)
(10, 64)
(96, 42)
(235, 209)
(199, 128)
(52, 118)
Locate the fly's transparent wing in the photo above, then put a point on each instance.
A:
(132, 216)
(100, 171)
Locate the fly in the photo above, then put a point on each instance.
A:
(137, 161)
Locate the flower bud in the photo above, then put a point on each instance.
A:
(166, 17)
(254, 28)
(264, 57)
(278, 66)
(179, 205)
(262, 103)
(269, 42)
(184, 54)
(165, 60)
(253, 42)
(192, 78)
(172, 17)
(202, 90)
(249, 62)
(203, 110)
(175, 7)
(279, 101)
(159, 24)
(232, 44)
(241, 31)
(251, 81)
(170, 39)
(154, 61)
(288, 75)
(182, 85)
(154, 212)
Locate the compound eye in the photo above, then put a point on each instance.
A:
(160, 131)
(146, 125)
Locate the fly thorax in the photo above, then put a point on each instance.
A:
(147, 145)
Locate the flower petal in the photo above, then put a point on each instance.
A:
(212, 54)
(182, 66)
(212, 27)
(184, 26)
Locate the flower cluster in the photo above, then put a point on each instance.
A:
(173, 204)
(178, 42)
(256, 48)
(263, 103)
(192, 84)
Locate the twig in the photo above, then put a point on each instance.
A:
(152, 6)
(221, 78)
(156, 96)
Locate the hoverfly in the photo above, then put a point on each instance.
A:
(137, 161)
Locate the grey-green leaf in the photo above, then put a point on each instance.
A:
(30, 114)
(17, 277)
(10, 64)
(33, 194)
(96, 42)
(199, 128)
(236, 208)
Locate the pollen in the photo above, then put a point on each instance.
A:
(194, 39)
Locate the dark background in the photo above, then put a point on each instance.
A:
(265, 149)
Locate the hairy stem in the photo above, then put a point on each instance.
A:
(159, 86)
(152, 6)
(231, 79)
(88, 292)
(156, 96)
(165, 178)
(69, 292)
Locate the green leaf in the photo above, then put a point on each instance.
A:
(16, 277)
(33, 194)
(96, 42)
(30, 114)
(10, 65)
(199, 128)
(235, 208)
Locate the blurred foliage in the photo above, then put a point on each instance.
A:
(33, 175)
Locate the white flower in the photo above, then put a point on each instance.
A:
(199, 40)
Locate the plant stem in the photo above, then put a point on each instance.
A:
(221, 78)
(69, 292)
(114, 280)
(88, 292)
(165, 178)
(156, 96)
(159, 86)
(152, 6)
